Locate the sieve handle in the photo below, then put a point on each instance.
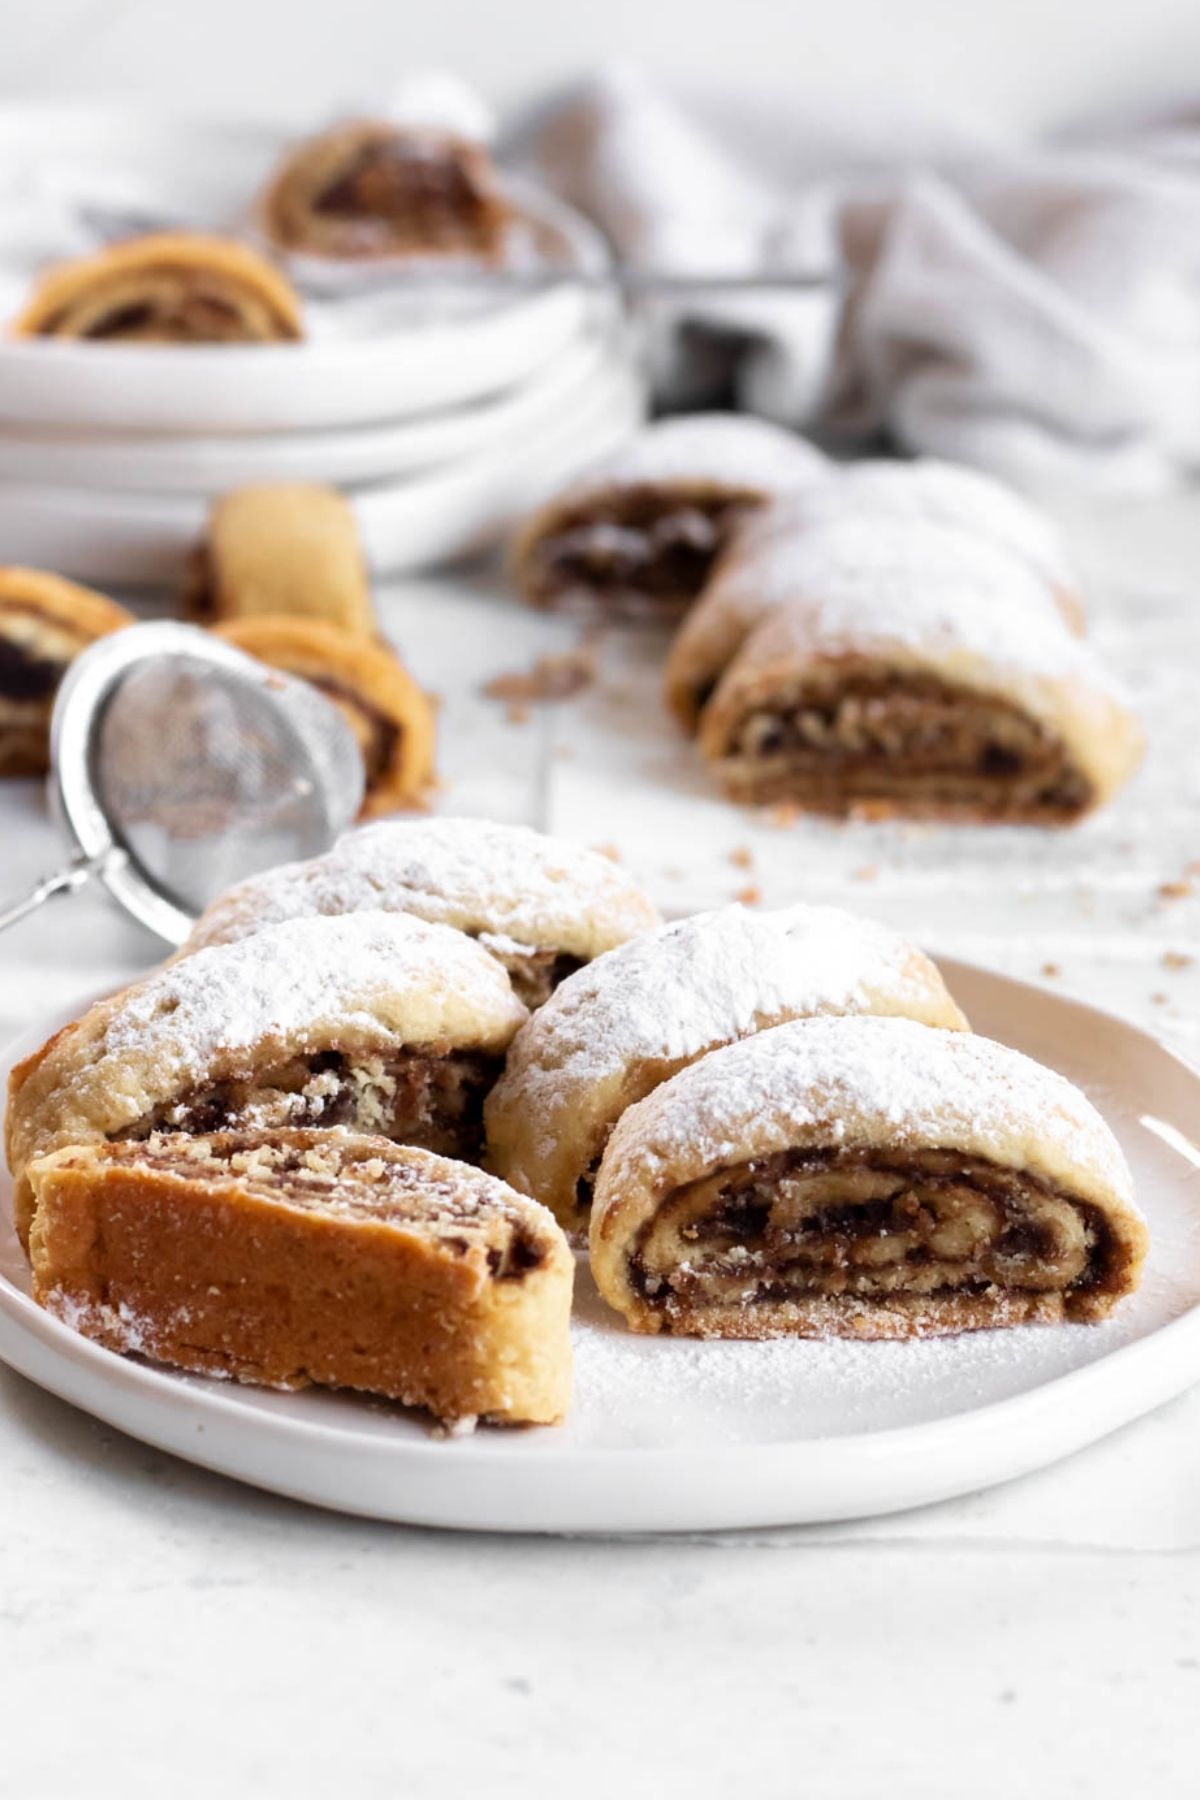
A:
(65, 881)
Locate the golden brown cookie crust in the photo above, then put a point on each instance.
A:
(298, 1257)
(172, 287)
(45, 621)
(285, 548)
(392, 719)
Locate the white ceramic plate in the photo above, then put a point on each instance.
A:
(144, 539)
(674, 1435)
(385, 355)
(149, 463)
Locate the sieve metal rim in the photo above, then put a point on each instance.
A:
(87, 687)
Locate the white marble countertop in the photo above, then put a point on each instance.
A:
(166, 1631)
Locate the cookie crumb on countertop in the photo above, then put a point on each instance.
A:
(553, 677)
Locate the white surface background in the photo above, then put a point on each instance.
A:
(1011, 63)
(164, 1632)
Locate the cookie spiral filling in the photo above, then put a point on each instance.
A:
(355, 1175)
(534, 971)
(908, 739)
(418, 1097)
(409, 193)
(165, 307)
(846, 1224)
(377, 736)
(634, 549)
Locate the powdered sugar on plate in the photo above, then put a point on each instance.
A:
(658, 1391)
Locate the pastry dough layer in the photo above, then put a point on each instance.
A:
(172, 288)
(294, 1257)
(45, 622)
(283, 549)
(636, 1016)
(863, 1177)
(391, 717)
(540, 905)
(380, 1021)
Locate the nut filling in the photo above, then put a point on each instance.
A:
(534, 973)
(352, 1179)
(635, 550)
(418, 1097)
(413, 196)
(846, 1223)
(910, 739)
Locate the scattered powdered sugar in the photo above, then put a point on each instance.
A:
(673, 993)
(662, 1392)
(473, 874)
(930, 491)
(131, 1332)
(728, 449)
(357, 972)
(863, 1081)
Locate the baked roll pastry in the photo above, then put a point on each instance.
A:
(903, 666)
(803, 552)
(283, 548)
(172, 288)
(378, 1022)
(638, 537)
(286, 1258)
(541, 906)
(44, 623)
(931, 492)
(869, 1178)
(635, 1017)
(390, 716)
(369, 188)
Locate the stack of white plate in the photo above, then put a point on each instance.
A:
(443, 412)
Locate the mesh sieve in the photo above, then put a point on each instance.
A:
(180, 765)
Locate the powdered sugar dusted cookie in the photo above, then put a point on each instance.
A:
(635, 1017)
(898, 662)
(639, 536)
(383, 1023)
(863, 1177)
(939, 493)
(543, 907)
